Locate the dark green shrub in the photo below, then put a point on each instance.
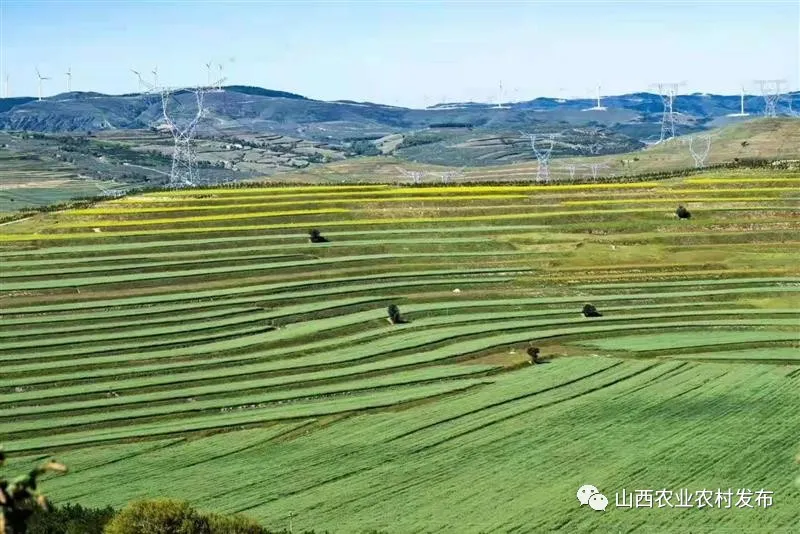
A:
(158, 516)
(364, 148)
(590, 311)
(394, 314)
(683, 213)
(70, 519)
(167, 516)
(315, 237)
(234, 524)
(418, 139)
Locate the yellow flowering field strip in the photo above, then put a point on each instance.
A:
(739, 180)
(202, 218)
(125, 209)
(246, 190)
(305, 192)
(664, 200)
(740, 190)
(357, 222)
(12, 238)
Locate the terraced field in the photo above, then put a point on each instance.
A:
(28, 182)
(194, 344)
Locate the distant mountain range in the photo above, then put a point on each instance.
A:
(241, 110)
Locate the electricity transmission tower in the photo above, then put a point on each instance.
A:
(571, 169)
(700, 155)
(414, 176)
(771, 91)
(182, 125)
(542, 157)
(451, 175)
(594, 167)
(184, 160)
(790, 99)
(667, 92)
(109, 193)
(592, 148)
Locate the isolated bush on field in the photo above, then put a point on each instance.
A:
(533, 352)
(394, 314)
(682, 213)
(20, 497)
(590, 311)
(315, 237)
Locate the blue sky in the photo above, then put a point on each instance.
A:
(405, 53)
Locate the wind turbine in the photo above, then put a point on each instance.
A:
(155, 76)
(219, 67)
(69, 79)
(143, 85)
(41, 79)
(208, 73)
(138, 77)
(598, 107)
(500, 96)
(741, 106)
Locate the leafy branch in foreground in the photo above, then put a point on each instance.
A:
(20, 497)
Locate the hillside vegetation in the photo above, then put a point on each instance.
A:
(194, 344)
(254, 110)
(759, 139)
(45, 169)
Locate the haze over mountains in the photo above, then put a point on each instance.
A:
(245, 109)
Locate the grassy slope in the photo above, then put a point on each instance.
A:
(196, 360)
(28, 183)
(34, 183)
(765, 138)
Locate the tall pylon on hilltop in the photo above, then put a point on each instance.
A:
(668, 91)
(771, 92)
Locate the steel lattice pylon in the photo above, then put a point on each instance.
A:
(667, 92)
(701, 155)
(542, 157)
(184, 162)
(771, 91)
(415, 176)
(594, 167)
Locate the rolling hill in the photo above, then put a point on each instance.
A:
(764, 139)
(43, 168)
(255, 110)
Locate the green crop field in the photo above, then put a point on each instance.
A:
(194, 344)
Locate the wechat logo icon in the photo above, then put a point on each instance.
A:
(588, 494)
